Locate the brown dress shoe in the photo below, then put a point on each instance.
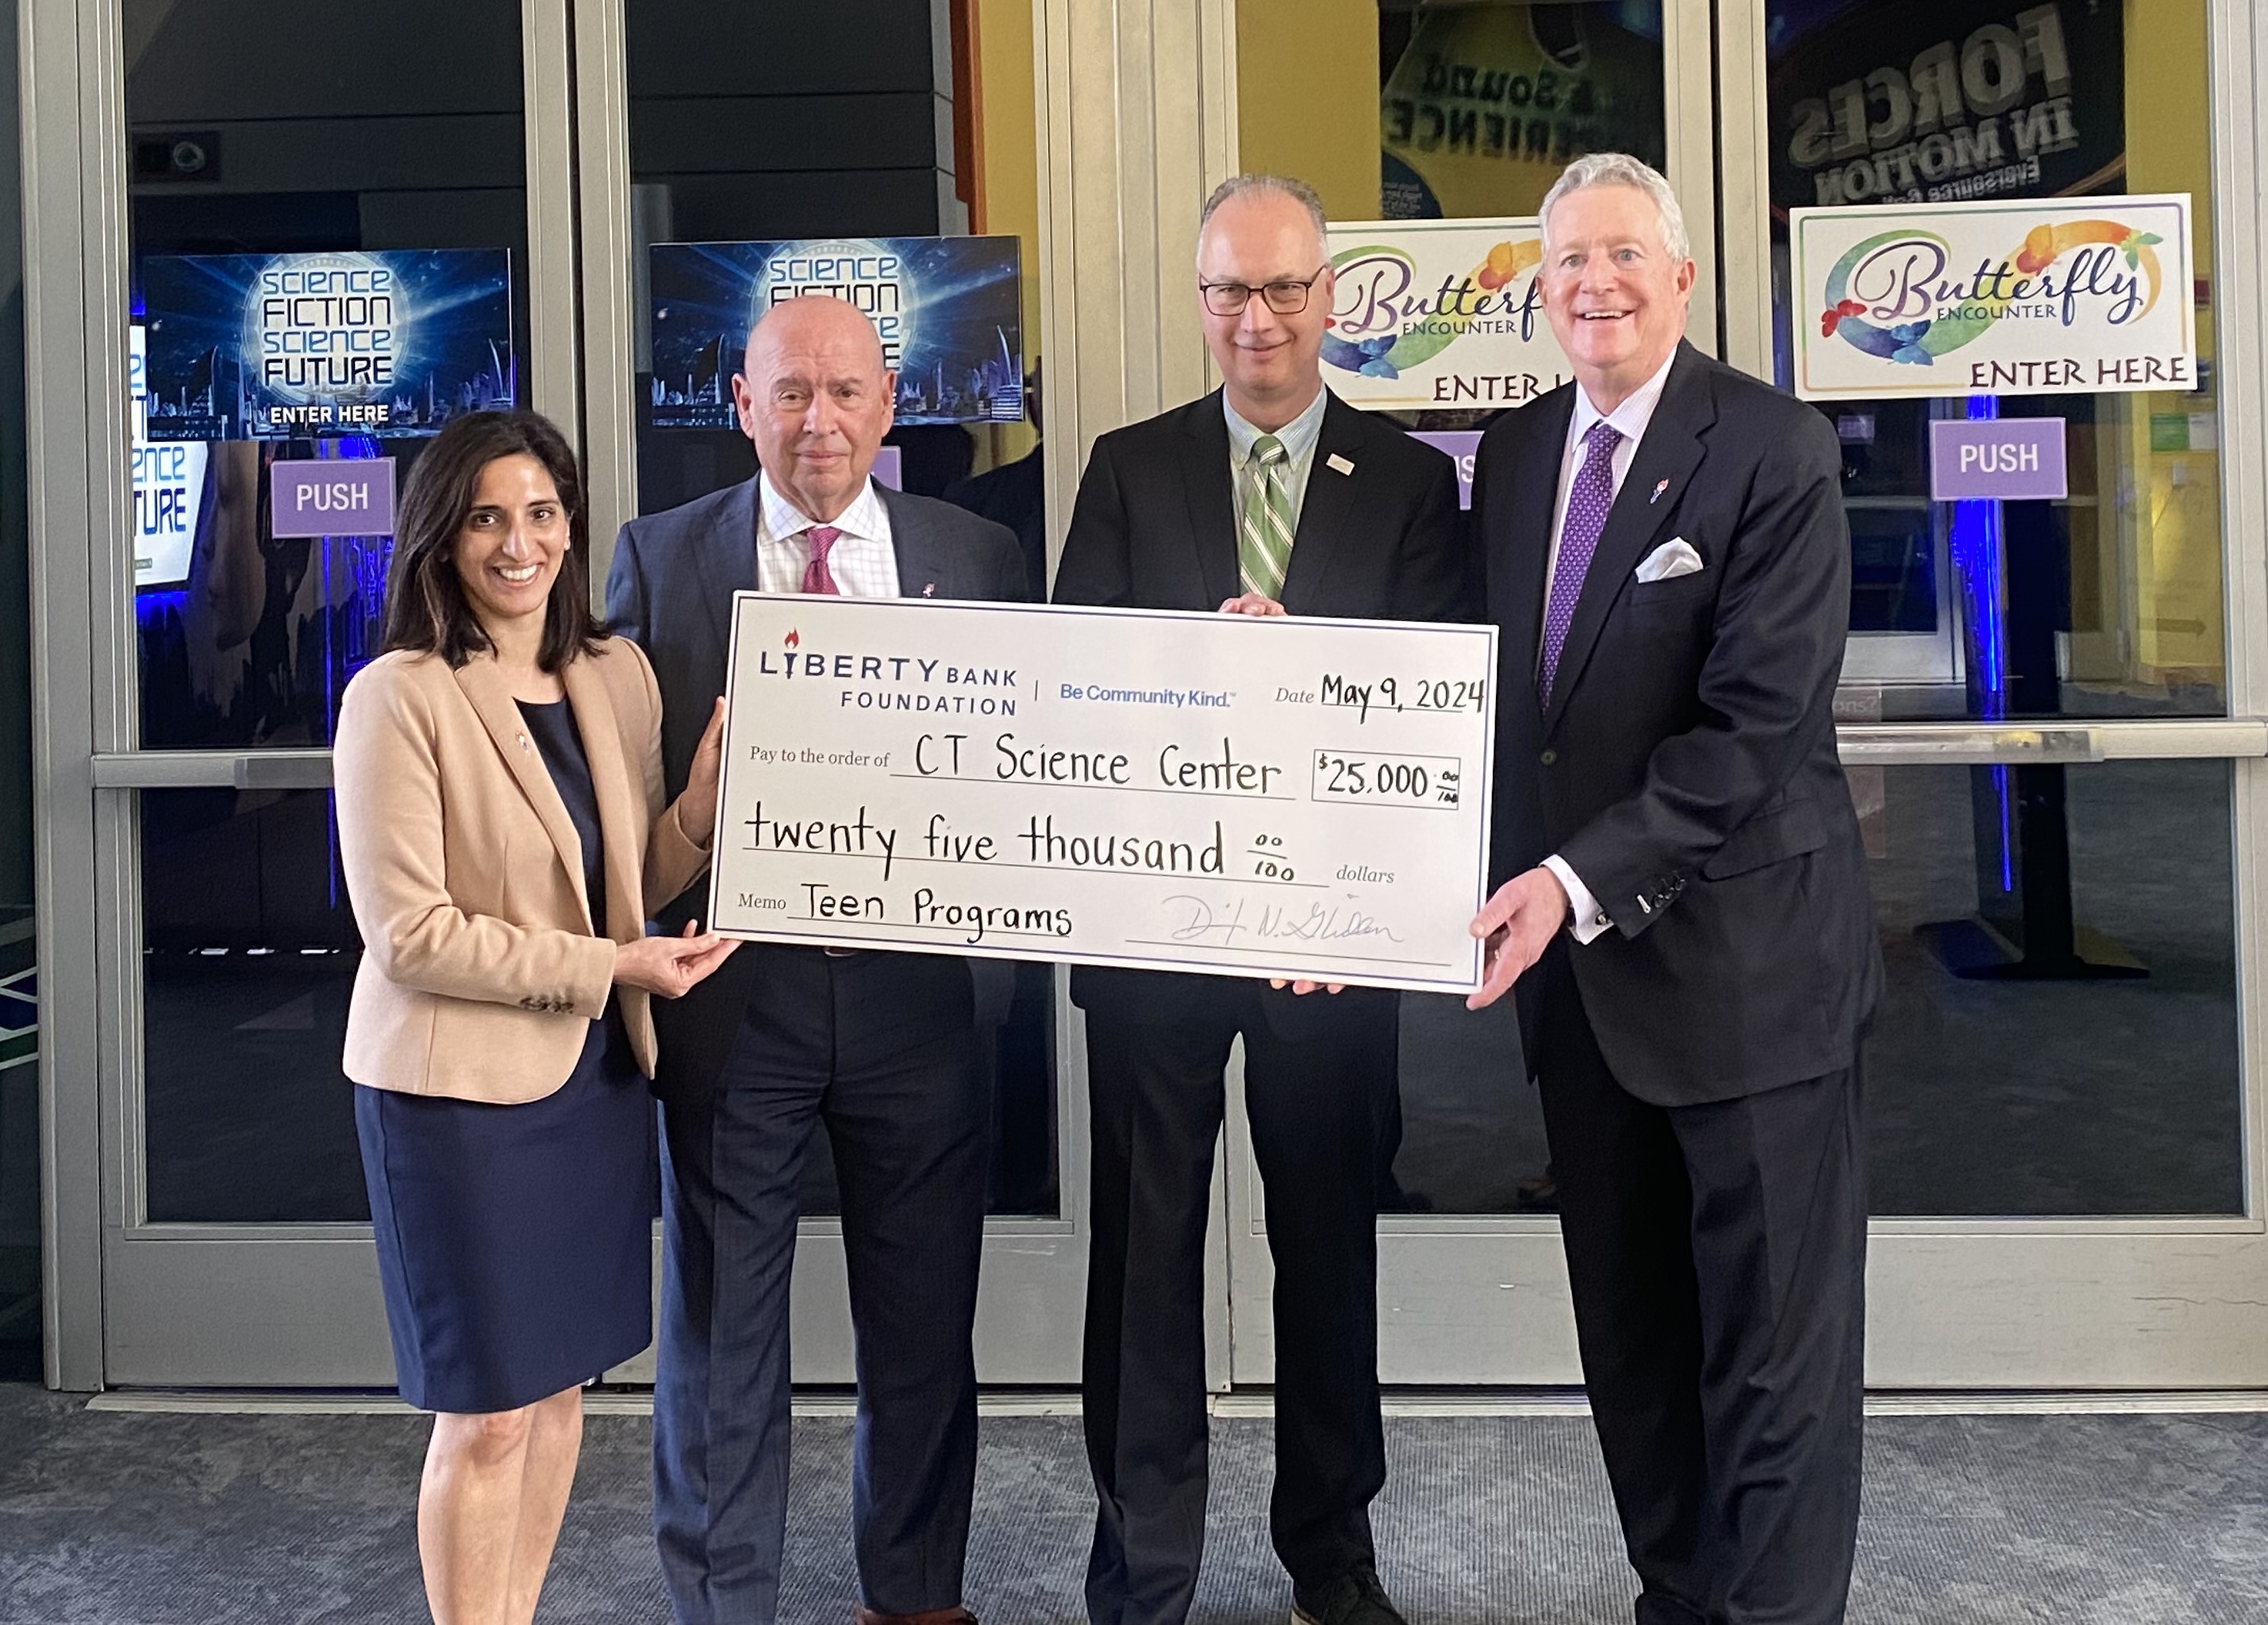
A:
(860, 1614)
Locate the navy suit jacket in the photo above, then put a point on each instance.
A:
(670, 591)
(1686, 767)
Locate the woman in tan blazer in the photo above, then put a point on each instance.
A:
(504, 839)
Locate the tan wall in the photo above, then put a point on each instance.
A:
(1007, 195)
(2179, 632)
(1307, 86)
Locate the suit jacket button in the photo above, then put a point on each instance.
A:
(1548, 757)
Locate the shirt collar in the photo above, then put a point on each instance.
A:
(863, 519)
(1631, 418)
(1299, 435)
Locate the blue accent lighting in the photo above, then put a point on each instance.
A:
(1976, 544)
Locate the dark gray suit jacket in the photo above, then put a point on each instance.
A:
(670, 591)
(1686, 767)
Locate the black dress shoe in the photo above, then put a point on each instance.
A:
(1355, 1597)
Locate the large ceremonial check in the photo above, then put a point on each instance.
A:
(1144, 788)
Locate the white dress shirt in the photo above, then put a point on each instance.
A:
(864, 561)
(1299, 438)
(1586, 920)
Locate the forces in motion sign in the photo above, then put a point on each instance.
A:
(1941, 101)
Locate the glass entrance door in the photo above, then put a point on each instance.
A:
(2053, 712)
(2050, 723)
(1432, 111)
(235, 1246)
(2053, 731)
(207, 653)
(849, 125)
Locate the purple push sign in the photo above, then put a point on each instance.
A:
(331, 496)
(1460, 444)
(2006, 459)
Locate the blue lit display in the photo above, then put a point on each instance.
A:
(949, 311)
(345, 343)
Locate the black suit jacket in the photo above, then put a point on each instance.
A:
(670, 590)
(1155, 527)
(1686, 767)
(1014, 495)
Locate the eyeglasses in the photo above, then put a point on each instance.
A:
(1286, 298)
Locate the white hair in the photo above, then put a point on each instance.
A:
(1620, 169)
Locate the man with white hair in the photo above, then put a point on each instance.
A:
(1268, 497)
(1684, 907)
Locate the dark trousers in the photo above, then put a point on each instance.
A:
(1322, 1114)
(1718, 1257)
(879, 1047)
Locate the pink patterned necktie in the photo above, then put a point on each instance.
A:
(817, 576)
(1588, 499)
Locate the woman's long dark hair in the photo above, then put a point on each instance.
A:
(425, 605)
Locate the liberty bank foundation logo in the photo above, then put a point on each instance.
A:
(874, 681)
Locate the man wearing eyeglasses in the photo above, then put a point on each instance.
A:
(1268, 497)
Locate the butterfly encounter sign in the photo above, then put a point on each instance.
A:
(2053, 296)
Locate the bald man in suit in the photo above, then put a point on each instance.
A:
(891, 1051)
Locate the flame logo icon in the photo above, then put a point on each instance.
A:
(792, 640)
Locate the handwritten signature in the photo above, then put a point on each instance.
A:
(1201, 921)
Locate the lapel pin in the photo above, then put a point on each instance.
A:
(1339, 463)
(1660, 486)
(524, 744)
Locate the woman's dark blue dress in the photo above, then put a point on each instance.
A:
(514, 1242)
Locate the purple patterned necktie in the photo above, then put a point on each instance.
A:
(1588, 499)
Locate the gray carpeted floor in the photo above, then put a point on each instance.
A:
(203, 1519)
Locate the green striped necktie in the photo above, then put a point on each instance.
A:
(1264, 549)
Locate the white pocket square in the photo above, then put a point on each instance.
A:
(1672, 559)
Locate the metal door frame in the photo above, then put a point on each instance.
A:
(1982, 1303)
(129, 1302)
(1974, 1304)
(1030, 1302)
(68, 455)
(1477, 1300)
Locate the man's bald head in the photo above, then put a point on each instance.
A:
(815, 401)
(814, 319)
